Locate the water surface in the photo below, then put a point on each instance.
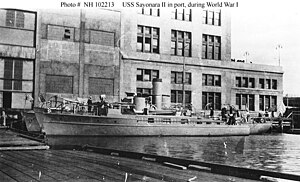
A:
(274, 152)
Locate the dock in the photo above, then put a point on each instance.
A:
(10, 140)
(28, 160)
(69, 165)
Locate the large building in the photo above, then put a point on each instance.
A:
(17, 57)
(89, 52)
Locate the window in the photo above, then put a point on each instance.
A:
(102, 38)
(177, 77)
(267, 101)
(148, 39)
(13, 74)
(177, 96)
(261, 83)
(211, 80)
(251, 83)
(181, 43)
(251, 102)
(274, 84)
(8, 74)
(150, 11)
(18, 73)
(245, 102)
(188, 78)
(274, 102)
(15, 18)
(182, 14)
(238, 82)
(245, 82)
(261, 103)
(10, 18)
(188, 97)
(211, 47)
(212, 17)
(146, 74)
(211, 99)
(268, 83)
(98, 86)
(59, 84)
(60, 33)
(20, 19)
(67, 34)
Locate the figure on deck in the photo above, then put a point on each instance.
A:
(90, 102)
(102, 106)
(223, 114)
(231, 116)
(211, 114)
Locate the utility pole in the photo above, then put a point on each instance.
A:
(183, 76)
(278, 47)
(81, 53)
(183, 83)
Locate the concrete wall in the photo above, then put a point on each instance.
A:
(89, 52)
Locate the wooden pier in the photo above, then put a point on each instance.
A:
(10, 140)
(68, 165)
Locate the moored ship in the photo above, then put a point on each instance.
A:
(113, 120)
(55, 124)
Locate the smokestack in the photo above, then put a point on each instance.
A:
(157, 92)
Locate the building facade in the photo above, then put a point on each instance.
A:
(17, 57)
(81, 53)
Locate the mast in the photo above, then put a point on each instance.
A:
(183, 83)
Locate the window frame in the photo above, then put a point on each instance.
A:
(143, 37)
(152, 12)
(245, 100)
(177, 78)
(140, 74)
(215, 98)
(212, 17)
(182, 14)
(184, 39)
(15, 18)
(177, 96)
(211, 47)
(210, 80)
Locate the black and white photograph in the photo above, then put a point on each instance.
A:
(149, 90)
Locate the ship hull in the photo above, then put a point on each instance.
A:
(58, 124)
(260, 128)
